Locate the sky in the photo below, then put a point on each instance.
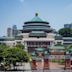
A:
(16, 12)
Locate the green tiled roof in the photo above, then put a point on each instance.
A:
(37, 28)
(18, 37)
(39, 49)
(38, 33)
(33, 53)
(45, 52)
(7, 38)
(57, 47)
(36, 18)
(37, 24)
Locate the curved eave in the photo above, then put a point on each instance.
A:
(29, 30)
(39, 49)
(6, 38)
(57, 47)
(36, 22)
(47, 30)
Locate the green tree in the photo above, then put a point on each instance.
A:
(13, 55)
(65, 32)
(21, 46)
(2, 47)
(69, 48)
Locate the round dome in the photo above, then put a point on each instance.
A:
(36, 24)
(36, 19)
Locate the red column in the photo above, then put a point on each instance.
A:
(46, 63)
(67, 62)
(33, 64)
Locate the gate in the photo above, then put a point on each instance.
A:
(56, 62)
(50, 61)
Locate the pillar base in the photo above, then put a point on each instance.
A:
(33, 65)
(46, 64)
(67, 64)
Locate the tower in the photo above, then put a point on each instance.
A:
(14, 31)
(9, 32)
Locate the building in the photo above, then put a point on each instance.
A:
(67, 40)
(68, 25)
(38, 33)
(14, 31)
(9, 32)
(10, 41)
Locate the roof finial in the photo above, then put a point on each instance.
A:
(36, 14)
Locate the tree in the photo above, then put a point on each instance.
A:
(2, 47)
(69, 48)
(65, 32)
(20, 46)
(13, 55)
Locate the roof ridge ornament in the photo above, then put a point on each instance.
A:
(36, 14)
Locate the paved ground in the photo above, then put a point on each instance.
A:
(58, 70)
(55, 65)
(52, 65)
(54, 71)
(25, 66)
(40, 65)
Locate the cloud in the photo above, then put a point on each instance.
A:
(21, 0)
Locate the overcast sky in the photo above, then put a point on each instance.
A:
(16, 12)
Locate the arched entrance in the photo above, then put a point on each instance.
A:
(40, 59)
(39, 63)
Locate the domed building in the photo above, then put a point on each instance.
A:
(38, 34)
